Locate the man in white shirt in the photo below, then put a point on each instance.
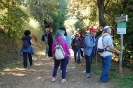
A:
(107, 54)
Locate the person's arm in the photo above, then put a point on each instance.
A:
(32, 42)
(112, 48)
(110, 43)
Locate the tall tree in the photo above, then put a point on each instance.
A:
(101, 12)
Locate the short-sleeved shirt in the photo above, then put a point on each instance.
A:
(108, 41)
(27, 38)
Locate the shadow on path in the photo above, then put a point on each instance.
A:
(39, 76)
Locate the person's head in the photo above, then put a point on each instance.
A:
(50, 29)
(60, 33)
(107, 29)
(93, 31)
(27, 32)
(101, 28)
(64, 29)
(76, 36)
(75, 32)
(47, 29)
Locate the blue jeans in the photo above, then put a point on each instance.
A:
(25, 54)
(47, 49)
(88, 64)
(106, 63)
(63, 63)
(75, 53)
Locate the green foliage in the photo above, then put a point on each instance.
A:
(113, 10)
(58, 20)
(47, 13)
(13, 18)
(125, 82)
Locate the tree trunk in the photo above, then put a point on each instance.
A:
(101, 12)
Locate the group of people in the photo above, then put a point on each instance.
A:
(87, 50)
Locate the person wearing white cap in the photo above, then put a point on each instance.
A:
(107, 55)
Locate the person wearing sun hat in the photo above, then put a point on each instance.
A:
(107, 55)
(89, 41)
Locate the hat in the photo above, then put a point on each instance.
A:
(92, 29)
(106, 28)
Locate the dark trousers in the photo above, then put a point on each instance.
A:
(88, 63)
(63, 63)
(82, 53)
(75, 54)
(25, 55)
(50, 51)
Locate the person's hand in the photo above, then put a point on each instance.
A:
(118, 52)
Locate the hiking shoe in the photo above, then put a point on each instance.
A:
(88, 75)
(63, 80)
(103, 81)
(106, 81)
(53, 79)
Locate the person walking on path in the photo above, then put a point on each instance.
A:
(67, 39)
(27, 50)
(89, 44)
(76, 47)
(50, 41)
(45, 39)
(81, 36)
(107, 54)
(60, 37)
(73, 36)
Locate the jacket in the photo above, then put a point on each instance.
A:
(64, 45)
(89, 44)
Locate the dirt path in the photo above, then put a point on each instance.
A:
(39, 76)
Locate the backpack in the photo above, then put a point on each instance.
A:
(59, 52)
(25, 44)
(82, 42)
(43, 38)
(100, 47)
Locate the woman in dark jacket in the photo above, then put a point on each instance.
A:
(76, 47)
(50, 41)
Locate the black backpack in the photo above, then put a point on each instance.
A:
(25, 44)
(43, 38)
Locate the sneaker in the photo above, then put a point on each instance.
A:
(81, 57)
(60, 71)
(63, 80)
(50, 57)
(105, 81)
(88, 75)
(53, 79)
